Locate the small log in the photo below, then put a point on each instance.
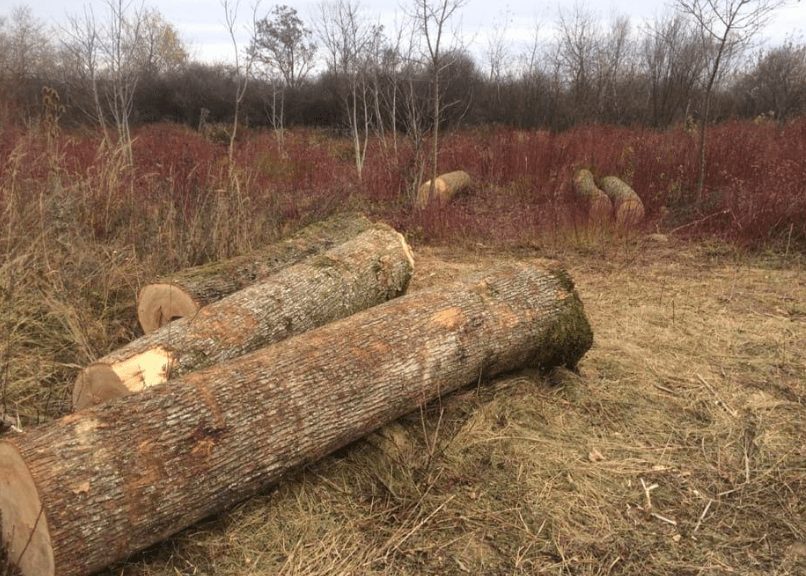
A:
(446, 187)
(600, 209)
(182, 294)
(363, 272)
(95, 486)
(627, 204)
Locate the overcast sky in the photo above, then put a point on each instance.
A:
(201, 22)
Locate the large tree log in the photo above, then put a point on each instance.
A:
(446, 187)
(97, 485)
(361, 273)
(182, 294)
(597, 203)
(627, 204)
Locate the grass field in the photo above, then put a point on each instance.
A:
(677, 449)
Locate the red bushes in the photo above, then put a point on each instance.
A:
(754, 193)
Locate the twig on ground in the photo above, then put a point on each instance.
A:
(702, 516)
(719, 400)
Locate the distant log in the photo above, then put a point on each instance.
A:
(87, 490)
(627, 204)
(371, 268)
(182, 294)
(446, 187)
(597, 203)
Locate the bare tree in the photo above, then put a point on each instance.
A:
(352, 43)
(576, 56)
(776, 85)
(81, 51)
(498, 52)
(432, 17)
(673, 61)
(726, 26)
(243, 70)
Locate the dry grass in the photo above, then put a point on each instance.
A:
(678, 449)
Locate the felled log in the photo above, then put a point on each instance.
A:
(371, 268)
(446, 187)
(597, 203)
(627, 204)
(185, 292)
(82, 492)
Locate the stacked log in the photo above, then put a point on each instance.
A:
(627, 204)
(371, 268)
(84, 491)
(184, 293)
(597, 203)
(445, 187)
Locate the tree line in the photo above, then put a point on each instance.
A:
(121, 60)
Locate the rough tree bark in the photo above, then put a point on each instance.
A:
(102, 483)
(184, 293)
(446, 187)
(371, 268)
(600, 209)
(627, 204)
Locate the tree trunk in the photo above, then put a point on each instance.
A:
(446, 187)
(627, 204)
(100, 484)
(184, 293)
(363, 272)
(597, 203)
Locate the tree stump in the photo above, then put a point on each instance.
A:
(182, 294)
(95, 486)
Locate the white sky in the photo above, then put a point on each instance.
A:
(201, 22)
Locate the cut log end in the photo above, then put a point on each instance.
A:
(26, 537)
(160, 304)
(100, 382)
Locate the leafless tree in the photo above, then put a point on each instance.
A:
(498, 52)
(243, 69)
(352, 43)
(82, 59)
(673, 61)
(776, 85)
(725, 26)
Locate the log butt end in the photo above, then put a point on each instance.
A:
(159, 304)
(600, 209)
(97, 383)
(630, 213)
(101, 381)
(26, 536)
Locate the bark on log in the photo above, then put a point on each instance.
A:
(597, 203)
(102, 483)
(182, 294)
(447, 186)
(361, 273)
(627, 204)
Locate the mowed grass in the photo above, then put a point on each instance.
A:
(677, 449)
